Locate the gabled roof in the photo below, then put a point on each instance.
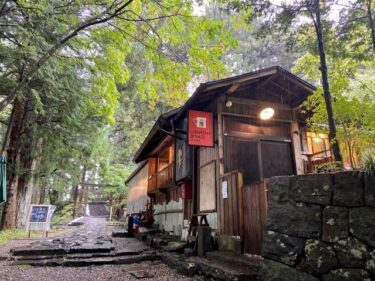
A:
(264, 80)
(275, 76)
(156, 135)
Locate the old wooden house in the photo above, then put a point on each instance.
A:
(157, 177)
(137, 194)
(251, 128)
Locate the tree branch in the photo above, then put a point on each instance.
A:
(72, 32)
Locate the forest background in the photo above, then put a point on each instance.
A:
(82, 83)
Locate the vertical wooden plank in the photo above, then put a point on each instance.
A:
(220, 135)
(255, 215)
(236, 218)
(226, 217)
(296, 144)
(230, 204)
(240, 203)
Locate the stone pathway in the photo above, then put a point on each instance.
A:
(88, 244)
(80, 250)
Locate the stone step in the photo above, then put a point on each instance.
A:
(117, 253)
(210, 269)
(231, 258)
(120, 233)
(106, 247)
(89, 261)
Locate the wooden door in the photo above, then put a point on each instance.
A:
(275, 160)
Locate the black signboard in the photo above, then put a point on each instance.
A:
(39, 214)
(182, 160)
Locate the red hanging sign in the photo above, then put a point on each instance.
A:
(200, 128)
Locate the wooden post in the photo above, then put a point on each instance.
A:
(296, 144)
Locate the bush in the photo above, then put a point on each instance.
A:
(329, 167)
(369, 164)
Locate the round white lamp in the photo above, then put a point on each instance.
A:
(266, 113)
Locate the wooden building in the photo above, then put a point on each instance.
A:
(258, 132)
(158, 150)
(137, 194)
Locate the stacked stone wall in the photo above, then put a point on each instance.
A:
(320, 227)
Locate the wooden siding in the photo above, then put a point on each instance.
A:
(230, 209)
(206, 155)
(207, 187)
(137, 196)
(255, 215)
(248, 108)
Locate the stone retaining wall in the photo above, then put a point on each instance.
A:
(320, 227)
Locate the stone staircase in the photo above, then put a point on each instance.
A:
(61, 251)
(98, 209)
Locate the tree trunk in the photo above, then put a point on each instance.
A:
(18, 148)
(28, 165)
(326, 91)
(75, 196)
(371, 23)
(11, 150)
(78, 196)
(42, 194)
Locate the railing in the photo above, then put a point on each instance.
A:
(161, 179)
(312, 161)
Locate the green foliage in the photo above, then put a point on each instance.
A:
(6, 235)
(369, 164)
(329, 167)
(62, 216)
(113, 177)
(119, 75)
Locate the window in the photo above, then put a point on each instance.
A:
(164, 159)
(257, 150)
(318, 144)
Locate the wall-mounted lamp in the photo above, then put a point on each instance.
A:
(266, 113)
(228, 103)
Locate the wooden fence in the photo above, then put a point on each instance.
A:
(230, 209)
(255, 215)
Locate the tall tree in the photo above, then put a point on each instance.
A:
(286, 16)
(316, 9)
(63, 60)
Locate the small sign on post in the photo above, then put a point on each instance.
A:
(40, 218)
(224, 189)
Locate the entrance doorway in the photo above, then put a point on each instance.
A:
(259, 151)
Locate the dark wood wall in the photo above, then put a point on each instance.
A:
(255, 216)
(230, 209)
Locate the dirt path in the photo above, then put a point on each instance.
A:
(92, 227)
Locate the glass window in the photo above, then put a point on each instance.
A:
(318, 144)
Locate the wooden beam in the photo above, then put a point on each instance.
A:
(232, 88)
(284, 89)
(264, 82)
(249, 77)
(299, 83)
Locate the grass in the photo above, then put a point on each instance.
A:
(64, 216)
(6, 235)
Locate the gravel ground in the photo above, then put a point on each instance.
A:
(154, 270)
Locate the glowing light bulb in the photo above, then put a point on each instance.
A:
(266, 113)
